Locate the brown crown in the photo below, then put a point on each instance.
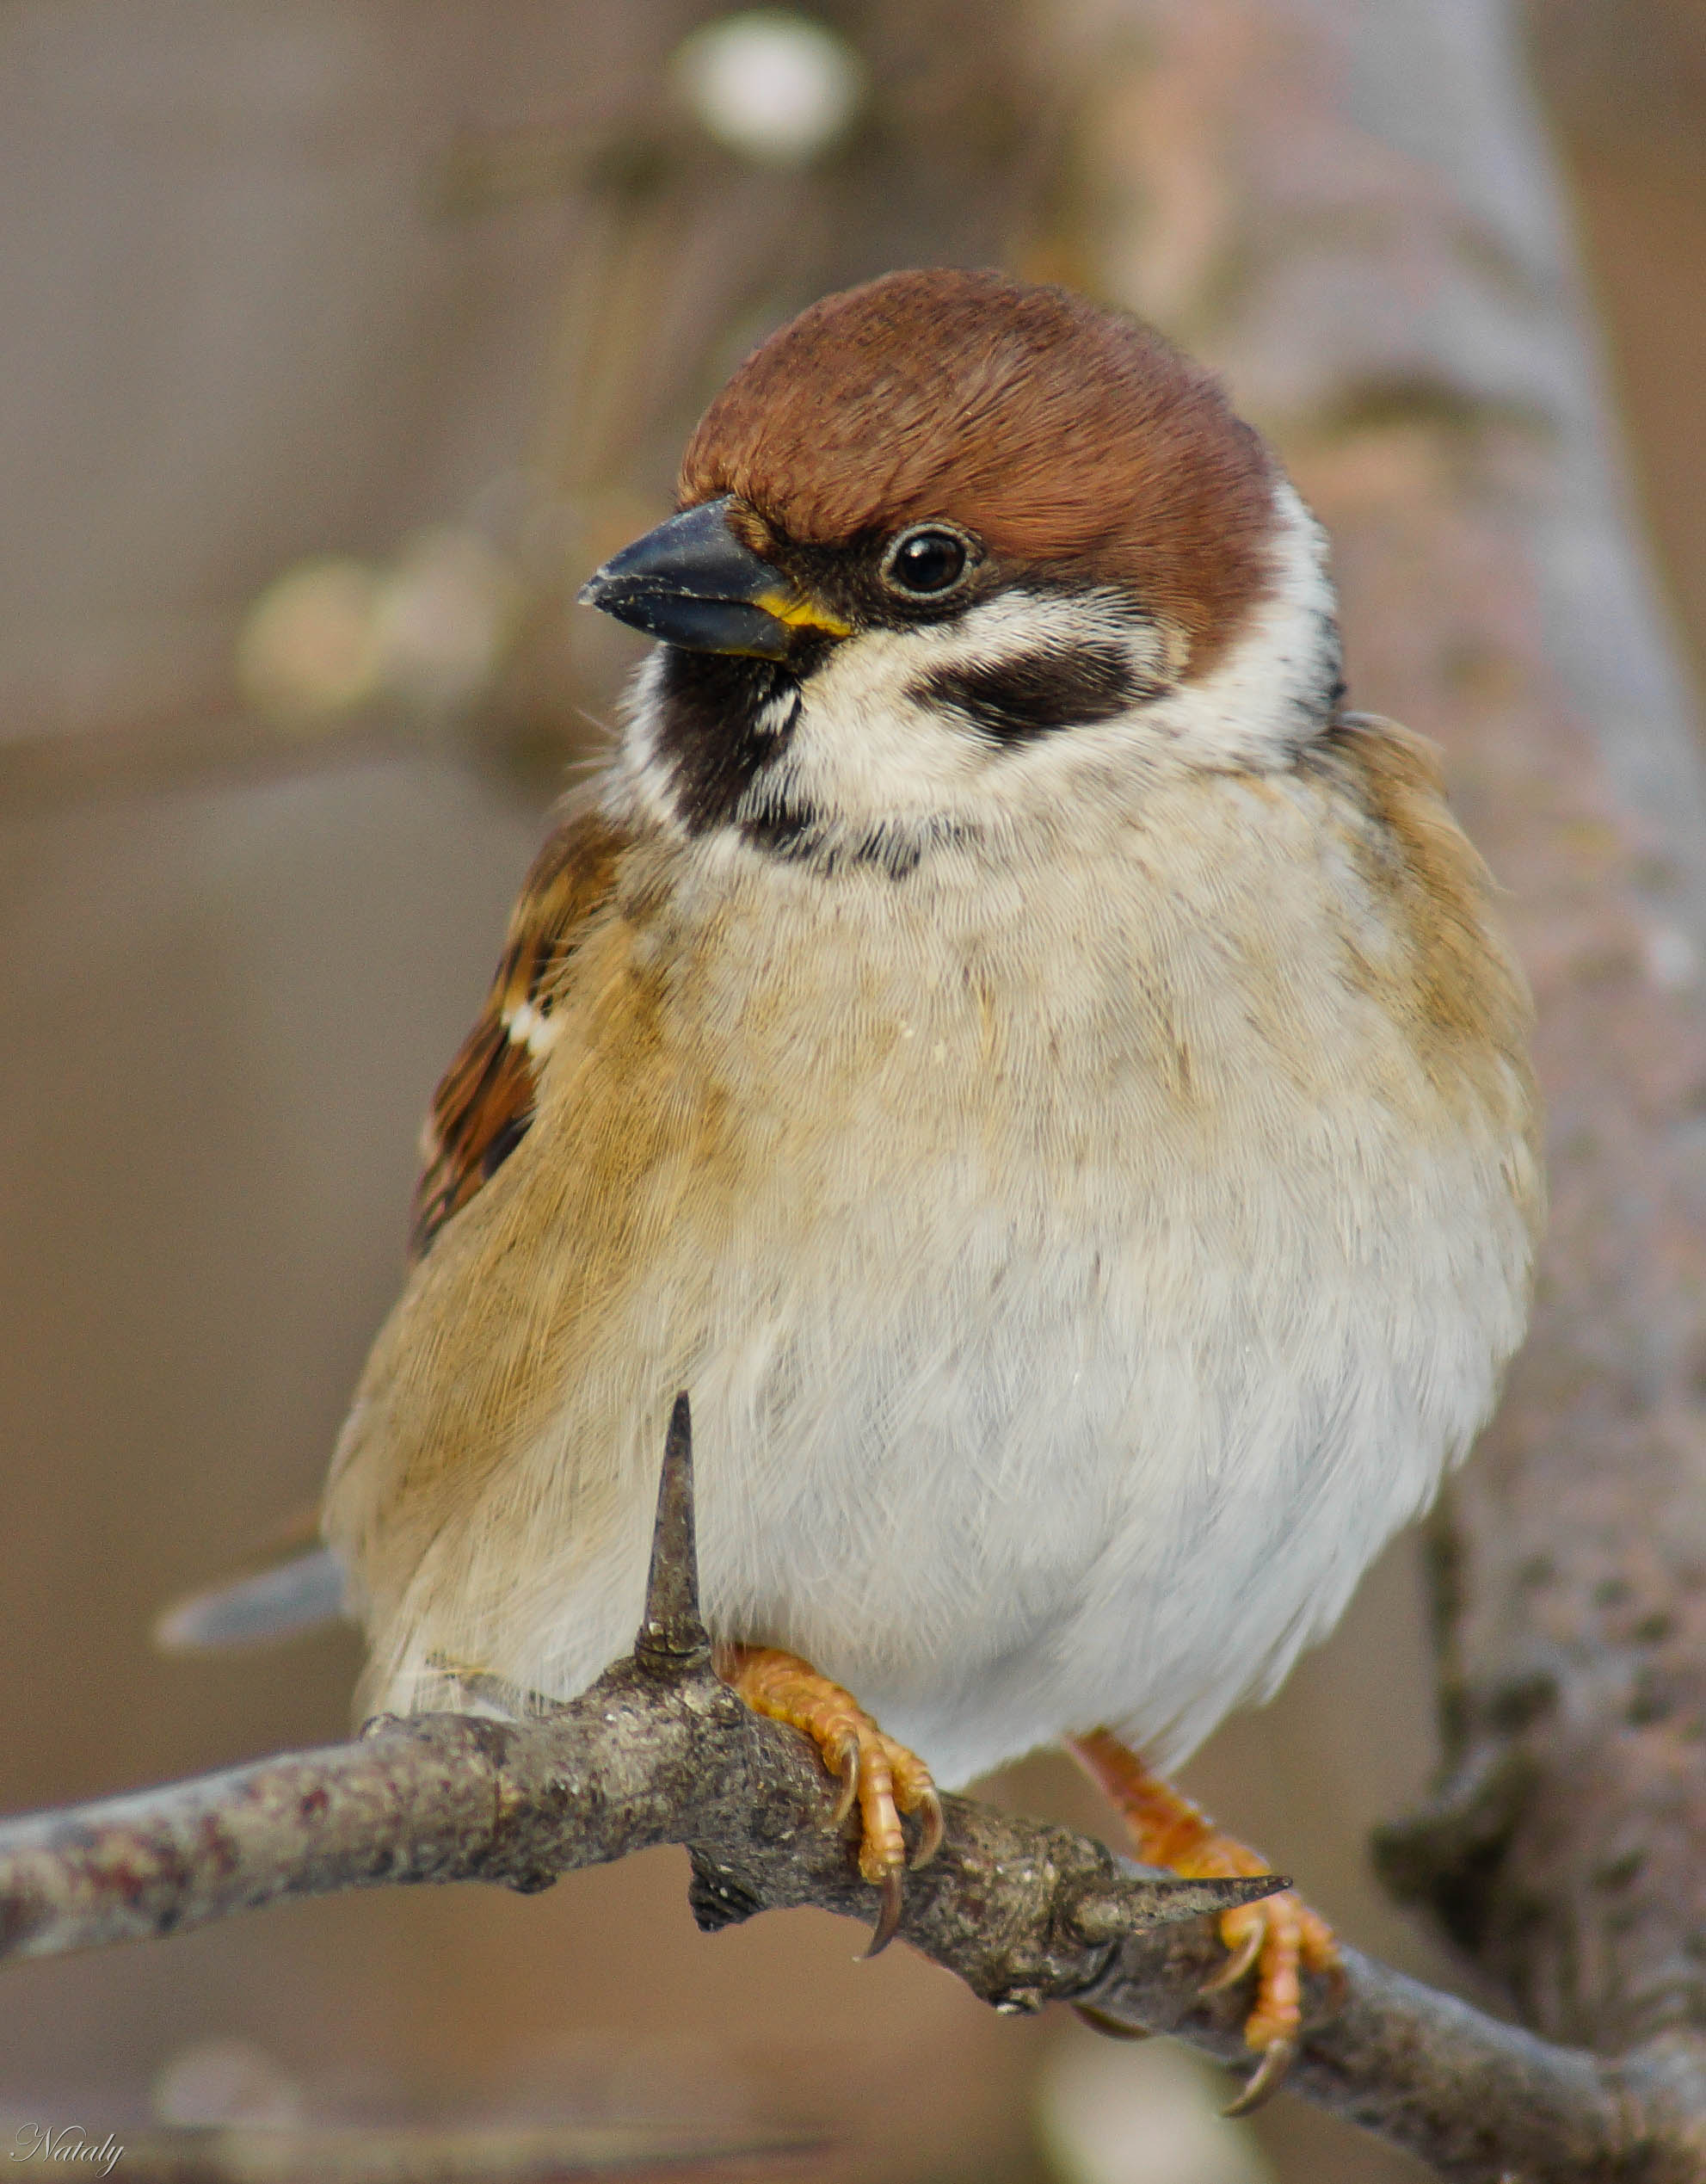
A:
(1059, 432)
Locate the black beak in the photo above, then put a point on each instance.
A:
(692, 583)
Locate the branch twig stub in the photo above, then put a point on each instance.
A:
(673, 1638)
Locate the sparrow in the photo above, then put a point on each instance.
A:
(1046, 1078)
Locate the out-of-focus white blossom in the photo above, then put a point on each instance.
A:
(1672, 960)
(442, 614)
(331, 634)
(772, 85)
(1110, 2114)
(227, 2082)
(308, 649)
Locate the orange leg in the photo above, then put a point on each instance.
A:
(883, 1778)
(1278, 1938)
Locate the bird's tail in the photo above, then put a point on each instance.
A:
(290, 1595)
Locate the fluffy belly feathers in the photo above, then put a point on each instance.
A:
(1060, 1355)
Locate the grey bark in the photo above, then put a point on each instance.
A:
(660, 1751)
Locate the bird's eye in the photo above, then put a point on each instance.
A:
(926, 562)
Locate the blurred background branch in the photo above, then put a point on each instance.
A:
(340, 341)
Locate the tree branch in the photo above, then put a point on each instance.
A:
(659, 1750)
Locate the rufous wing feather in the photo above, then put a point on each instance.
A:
(485, 1100)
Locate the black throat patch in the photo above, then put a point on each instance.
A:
(722, 718)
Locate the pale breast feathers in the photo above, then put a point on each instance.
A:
(486, 1099)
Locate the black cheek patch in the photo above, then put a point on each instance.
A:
(1016, 701)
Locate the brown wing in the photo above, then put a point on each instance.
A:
(485, 1101)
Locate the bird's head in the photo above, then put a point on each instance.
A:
(944, 542)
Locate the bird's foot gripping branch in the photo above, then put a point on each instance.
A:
(660, 1750)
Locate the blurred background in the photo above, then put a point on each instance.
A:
(339, 339)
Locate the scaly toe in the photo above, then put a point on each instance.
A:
(914, 1792)
(1274, 1939)
(1321, 1952)
(1238, 1965)
(1265, 2080)
(1277, 1939)
(881, 1778)
(882, 1849)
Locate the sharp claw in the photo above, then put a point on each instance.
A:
(1238, 1964)
(889, 1914)
(846, 1768)
(1112, 2028)
(930, 1841)
(1269, 2076)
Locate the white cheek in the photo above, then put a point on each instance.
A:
(1274, 686)
(872, 744)
(863, 746)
